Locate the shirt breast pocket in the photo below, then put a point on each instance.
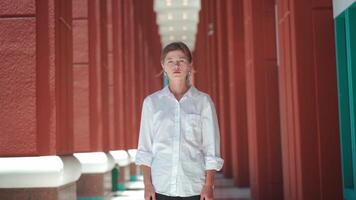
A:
(193, 128)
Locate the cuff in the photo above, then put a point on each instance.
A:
(213, 163)
(143, 158)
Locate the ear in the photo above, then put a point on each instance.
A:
(191, 65)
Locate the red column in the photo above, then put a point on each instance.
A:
(262, 100)
(64, 92)
(95, 76)
(136, 53)
(139, 65)
(203, 60)
(118, 58)
(129, 78)
(210, 60)
(310, 138)
(223, 92)
(103, 68)
(139, 75)
(106, 69)
(200, 64)
(94, 86)
(110, 77)
(237, 92)
(212, 51)
(81, 76)
(153, 49)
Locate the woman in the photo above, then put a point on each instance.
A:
(179, 142)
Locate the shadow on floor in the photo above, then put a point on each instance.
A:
(224, 190)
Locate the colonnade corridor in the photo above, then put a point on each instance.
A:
(224, 190)
(280, 73)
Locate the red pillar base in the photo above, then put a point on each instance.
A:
(66, 192)
(94, 185)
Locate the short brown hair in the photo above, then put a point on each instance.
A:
(176, 46)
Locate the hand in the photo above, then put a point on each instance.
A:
(207, 193)
(150, 193)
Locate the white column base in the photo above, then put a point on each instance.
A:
(38, 172)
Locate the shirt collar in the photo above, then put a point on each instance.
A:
(190, 93)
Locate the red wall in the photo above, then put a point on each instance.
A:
(68, 72)
(113, 84)
(18, 77)
(37, 112)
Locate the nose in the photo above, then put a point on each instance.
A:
(177, 64)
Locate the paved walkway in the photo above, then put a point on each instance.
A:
(224, 190)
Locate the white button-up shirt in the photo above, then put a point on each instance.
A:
(179, 140)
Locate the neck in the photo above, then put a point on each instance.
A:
(178, 89)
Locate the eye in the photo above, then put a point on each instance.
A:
(183, 61)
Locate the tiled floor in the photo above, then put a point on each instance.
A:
(224, 190)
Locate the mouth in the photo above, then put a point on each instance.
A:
(176, 72)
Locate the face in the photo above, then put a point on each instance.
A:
(177, 65)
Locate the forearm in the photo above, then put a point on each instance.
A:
(209, 179)
(146, 174)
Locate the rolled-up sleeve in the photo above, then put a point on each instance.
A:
(144, 149)
(211, 137)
